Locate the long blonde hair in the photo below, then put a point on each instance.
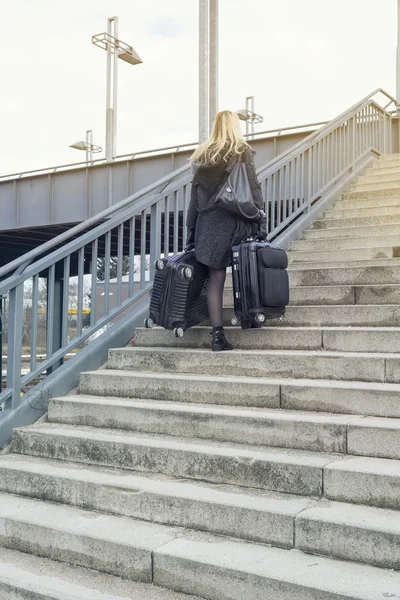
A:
(226, 139)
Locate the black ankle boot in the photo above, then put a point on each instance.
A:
(219, 341)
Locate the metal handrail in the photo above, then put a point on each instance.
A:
(151, 223)
(156, 151)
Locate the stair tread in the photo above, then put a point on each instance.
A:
(156, 483)
(223, 410)
(209, 447)
(330, 383)
(60, 581)
(247, 352)
(178, 544)
(381, 519)
(376, 263)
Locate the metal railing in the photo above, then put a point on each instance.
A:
(271, 133)
(152, 223)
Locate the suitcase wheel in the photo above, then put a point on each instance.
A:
(159, 264)
(187, 273)
(260, 318)
(148, 323)
(235, 321)
(179, 332)
(282, 319)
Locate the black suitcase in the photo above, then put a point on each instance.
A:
(260, 283)
(179, 295)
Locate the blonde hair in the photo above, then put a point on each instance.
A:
(226, 139)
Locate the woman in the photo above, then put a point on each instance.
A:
(212, 230)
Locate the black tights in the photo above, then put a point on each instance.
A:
(214, 296)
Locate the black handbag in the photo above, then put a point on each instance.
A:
(236, 196)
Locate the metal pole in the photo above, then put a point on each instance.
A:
(398, 59)
(115, 89)
(213, 46)
(87, 146)
(109, 114)
(203, 70)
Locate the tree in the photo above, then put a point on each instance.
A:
(101, 262)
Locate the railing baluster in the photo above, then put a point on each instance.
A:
(120, 260)
(65, 302)
(176, 223)
(107, 260)
(155, 236)
(131, 268)
(14, 346)
(50, 311)
(143, 233)
(81, 271)
(93, 297)
(166, 226)
(34, 320)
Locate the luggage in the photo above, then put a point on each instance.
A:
(260, 283)
(179, 295)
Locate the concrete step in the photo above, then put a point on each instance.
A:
(385, 175)
(257, 515)
(110, 544)
(356, 203)
(357, 234)
(363, 194)
(374, 221)
(348, 264)
(332, 295)
(296, 256)
(387, 160)
(340, 366)
(351, 533)
(384, 315)
(221, 568)
(281, 520)
(379, 184)
(313, 245)
(347, 294)
(338, 212)
(364, 480)
(342, 339)
(344, 397)
(275, 469)
(274, 428)
(377, 272)
(383, 170)
(27, 577)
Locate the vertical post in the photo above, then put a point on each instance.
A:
(57, 318)
(203, 70)
(2, 318)
(213, 100)
(14, 351)
(398, 60)
(111, 108)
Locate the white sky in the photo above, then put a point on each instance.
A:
(304, 60)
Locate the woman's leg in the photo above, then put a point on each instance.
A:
(214, 296)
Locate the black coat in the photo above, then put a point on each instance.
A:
(215, 230)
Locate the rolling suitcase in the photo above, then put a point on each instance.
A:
(179, 295)
(260, 283)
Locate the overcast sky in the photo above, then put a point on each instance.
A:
(304, 60)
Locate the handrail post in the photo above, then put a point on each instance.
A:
(14, 350)
(155, 235)
(56, 325)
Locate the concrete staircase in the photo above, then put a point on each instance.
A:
(268, 473)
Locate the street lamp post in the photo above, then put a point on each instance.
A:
(398, 59)
(115, 48)
(87, 146)
(208, 66)
(247, 114)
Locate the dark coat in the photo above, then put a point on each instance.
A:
(215, 230)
